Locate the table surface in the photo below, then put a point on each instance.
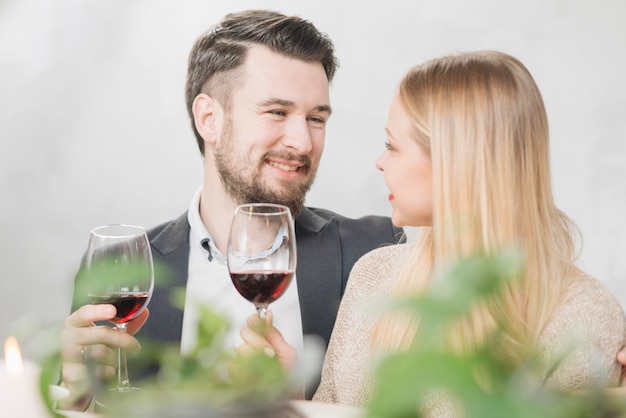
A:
(327, 410)
(306, 408)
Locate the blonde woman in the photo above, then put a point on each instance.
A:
(467, 160)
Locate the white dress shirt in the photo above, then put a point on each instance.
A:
(209, 284)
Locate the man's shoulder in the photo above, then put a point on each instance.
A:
(329, 215)
(376, 227)
(169, 235)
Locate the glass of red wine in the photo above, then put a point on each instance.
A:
(119, 270)
(262, 252)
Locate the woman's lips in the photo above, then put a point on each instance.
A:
(391, 197)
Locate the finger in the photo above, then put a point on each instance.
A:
(136, 324)
(99, 335)
(246, 350)
(99, 348)
(621, 356)
(77, 377)
(285, 351)
(621, 359)
(256, 323)
(271, 333)
(86, 315)
(253, 338)
(100, 353)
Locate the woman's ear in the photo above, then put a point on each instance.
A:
(208, 117)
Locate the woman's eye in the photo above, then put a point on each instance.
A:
(387, 145)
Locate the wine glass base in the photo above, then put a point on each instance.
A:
(125, 389)
(113, 396)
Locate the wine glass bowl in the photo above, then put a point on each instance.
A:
(128, 304)
(118, 270)
(261, 252)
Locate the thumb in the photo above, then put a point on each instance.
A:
(285, 352)
(272, 334)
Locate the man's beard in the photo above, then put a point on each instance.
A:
(246, 185)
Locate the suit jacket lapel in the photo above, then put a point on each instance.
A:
(170, 250)
(317, 243)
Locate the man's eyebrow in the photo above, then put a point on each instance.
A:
(324, 108)
(276, 101)
(289, 103)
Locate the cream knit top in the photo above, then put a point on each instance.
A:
(589, 314)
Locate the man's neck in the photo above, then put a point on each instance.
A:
(216, 212)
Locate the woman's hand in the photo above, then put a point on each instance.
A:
(88, 347)
(621, 359)
(260, 335)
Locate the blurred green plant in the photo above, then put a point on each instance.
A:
(410, 383)
(108, 274)
(211, 381)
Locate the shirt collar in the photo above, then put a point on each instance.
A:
(199, 235)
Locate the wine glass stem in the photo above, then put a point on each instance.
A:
(261, 311)
(123, 384)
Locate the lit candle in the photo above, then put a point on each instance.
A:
(19, 385)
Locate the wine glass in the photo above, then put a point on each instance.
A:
(118, 270)
(262, 252)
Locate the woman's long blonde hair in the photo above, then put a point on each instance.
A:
(482, 119)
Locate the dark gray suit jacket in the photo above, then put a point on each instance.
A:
(328, 245)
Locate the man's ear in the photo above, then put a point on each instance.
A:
(208, 117)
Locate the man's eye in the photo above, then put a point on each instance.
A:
(317, 119)
(278, 112)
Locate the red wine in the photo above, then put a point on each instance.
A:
(261, 287)
(128, 304)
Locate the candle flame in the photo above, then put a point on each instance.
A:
(12, 356)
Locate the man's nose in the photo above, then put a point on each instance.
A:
(297, 135)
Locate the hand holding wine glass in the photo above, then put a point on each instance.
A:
(262, 252)
(118, 270)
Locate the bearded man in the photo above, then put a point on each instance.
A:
(257, 94)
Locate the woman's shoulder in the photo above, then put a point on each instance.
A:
(374, 273)
(587, 295)
(384, 257)
(588, 305)
(590, 325)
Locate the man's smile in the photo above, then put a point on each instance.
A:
(283, 165)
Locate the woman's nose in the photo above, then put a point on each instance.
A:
(379, 161)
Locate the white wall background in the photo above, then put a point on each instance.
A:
(93, 128)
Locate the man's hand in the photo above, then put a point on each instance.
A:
(259, 334)
(85, 344)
